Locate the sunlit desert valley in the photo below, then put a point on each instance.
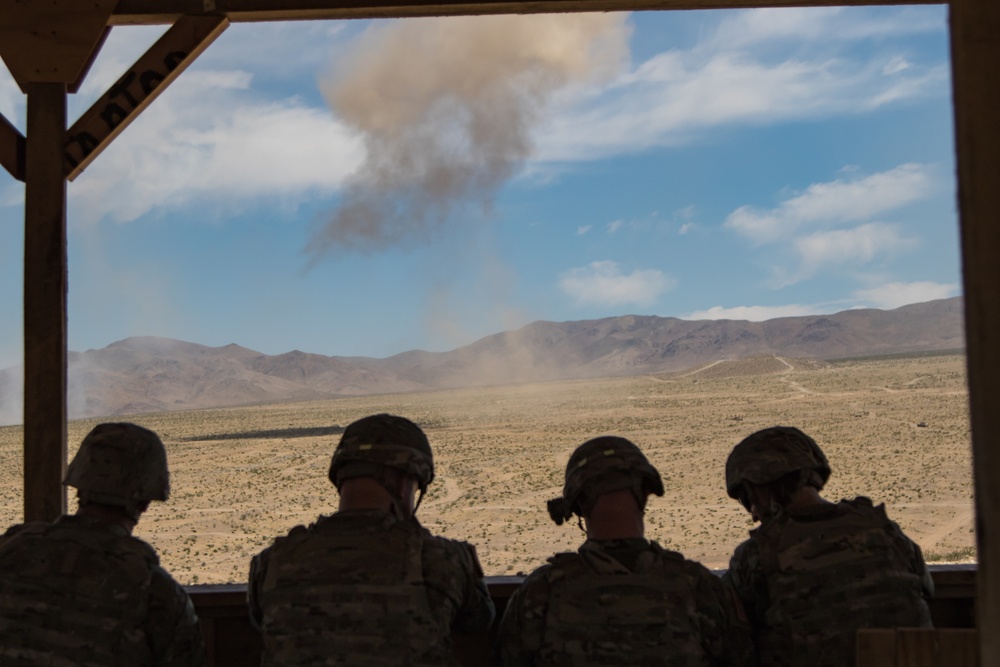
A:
(894, 428)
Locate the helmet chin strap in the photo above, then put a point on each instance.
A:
(396, 504)
(420, 499)
(397, 508)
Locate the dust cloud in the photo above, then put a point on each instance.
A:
(446, 108)
(12, 395)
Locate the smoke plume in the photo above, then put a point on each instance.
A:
(446, 109)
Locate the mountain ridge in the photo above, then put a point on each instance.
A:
(152, 374)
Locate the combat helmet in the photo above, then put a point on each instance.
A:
(374, 443)
(601, 465)
(770, 454)
(120, 464)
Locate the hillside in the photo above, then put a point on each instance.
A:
(148, 374)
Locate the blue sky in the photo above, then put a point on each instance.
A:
(365, 188)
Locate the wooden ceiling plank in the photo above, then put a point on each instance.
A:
(137, 88)
(50, 41)
(145, 12)
(11, 149)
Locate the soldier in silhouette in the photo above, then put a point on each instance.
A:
(82, 590)
(814, 572)
(621, 599)
(369, 585)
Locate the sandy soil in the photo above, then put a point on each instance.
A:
(894, 430)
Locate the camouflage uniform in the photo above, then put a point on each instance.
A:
(82, 592)
(812, 574)
(624, 602)
(366, 588)
(811, 579)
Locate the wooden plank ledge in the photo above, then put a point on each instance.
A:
(145, 12)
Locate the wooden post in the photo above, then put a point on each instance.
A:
(45, 282)
(975, 43)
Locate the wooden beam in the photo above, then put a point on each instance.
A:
(45, 304)
(137, 88)
(74, 87)
(975, 58)
(144, 12)
(917, 647)
(52, 40)
(11, 149)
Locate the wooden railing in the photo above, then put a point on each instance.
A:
(918, 647)
(232, 642)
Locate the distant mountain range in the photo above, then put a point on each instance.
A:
(146, 374)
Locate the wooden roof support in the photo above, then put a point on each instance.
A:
(975, 33)
(975, 39)
(11, 149)
(51, 41)
(136, 12)
(45, 284)
(138, 87)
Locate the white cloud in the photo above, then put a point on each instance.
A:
(765, 27)
(835, 202)
(602, 283)
(859, 245)
(615, 226)
(209, 138)
(753, 313)
(213, 136)
(685, 228)
(677, 95)
(896, 65)
(583, 229)
(894, 295)
(884, 297)
(822, 251)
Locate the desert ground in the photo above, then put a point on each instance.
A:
(894, 429)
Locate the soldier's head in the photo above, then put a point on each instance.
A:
(767, 467)
(120, 465)
(386, 448)
(601, 466)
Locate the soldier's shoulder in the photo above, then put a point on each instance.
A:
(863, 505)
(457, 553)
(31, 527)
(22, 530)
(438, 542)
(135, 546)
(746, 555)
(862, 508)
(294, 535)
(558, 561)
(299, 532)
(538, 580)
(668, 555)
(164, 585)
(674, 561)
(746, 548)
